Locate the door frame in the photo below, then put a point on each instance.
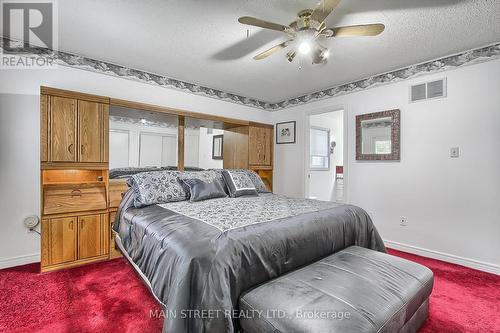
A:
(306, 133)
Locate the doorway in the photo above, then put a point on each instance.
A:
(325, 153)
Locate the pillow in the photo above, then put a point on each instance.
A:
(200, 190)
(257, 181)
(238, 183)
(151, 188)
(254, 177)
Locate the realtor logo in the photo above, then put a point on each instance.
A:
(27, 25)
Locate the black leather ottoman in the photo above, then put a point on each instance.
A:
(354, 290)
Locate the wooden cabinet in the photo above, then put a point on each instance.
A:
(75, 227)
(117, 188)
(63, 235)
(73, 130)
(62, 139)
(250, 147)
(90, 236)
(89, 131)
(71, 198)
(260, 141)
(74, 240)
(235, 148)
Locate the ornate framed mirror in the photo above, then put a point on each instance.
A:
(378, 136)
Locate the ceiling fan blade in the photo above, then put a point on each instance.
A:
(324, 8)
(263, 24)
(359, 30)
(271, 51)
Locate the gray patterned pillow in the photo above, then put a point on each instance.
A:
(256, 180)
(238, 183)
(151, 188)
(200, 190)
(254, 177)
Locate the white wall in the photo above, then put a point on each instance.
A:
(452, 205)
(19, 145)
(19, 177)
(321, 182)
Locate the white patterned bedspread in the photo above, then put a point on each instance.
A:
(229, 213)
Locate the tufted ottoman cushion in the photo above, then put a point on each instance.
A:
(354, 290)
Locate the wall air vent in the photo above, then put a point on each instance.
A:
(418, 92)
(428, 90)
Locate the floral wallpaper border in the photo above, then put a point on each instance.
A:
(478, 55)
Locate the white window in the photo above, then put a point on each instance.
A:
(319, 149)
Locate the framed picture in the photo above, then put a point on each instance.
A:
(285, 132)
(217, 147)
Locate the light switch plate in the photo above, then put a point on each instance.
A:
(455, 152)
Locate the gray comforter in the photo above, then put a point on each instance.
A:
(199, 259)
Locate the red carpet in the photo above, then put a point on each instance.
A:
(109, 297)
(463, 299)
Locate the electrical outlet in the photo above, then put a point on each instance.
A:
(455, 152)
(403, 221)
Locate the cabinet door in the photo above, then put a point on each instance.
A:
(62, 244)
(62, 129)
(90, 126)
(259, 150)
(44, 128)
(89, 236)
(236, 148)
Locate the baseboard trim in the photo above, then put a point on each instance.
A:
(471, 263)
(19, 260)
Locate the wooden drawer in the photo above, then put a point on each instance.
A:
(68, 198)
(116, 190)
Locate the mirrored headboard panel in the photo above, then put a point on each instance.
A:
(199, 144)
(378, 136)
(141, 139)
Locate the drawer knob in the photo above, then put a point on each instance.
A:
(76, 193)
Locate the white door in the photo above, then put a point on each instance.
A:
(321, 179)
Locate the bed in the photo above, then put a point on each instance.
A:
(198, 257)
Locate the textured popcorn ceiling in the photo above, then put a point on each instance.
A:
(202, 42)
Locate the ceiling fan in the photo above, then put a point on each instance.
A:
(306, 32)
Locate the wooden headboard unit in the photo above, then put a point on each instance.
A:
(79, 202)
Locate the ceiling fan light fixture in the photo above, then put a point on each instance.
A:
(308, 29)
(304, 47)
